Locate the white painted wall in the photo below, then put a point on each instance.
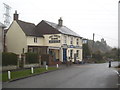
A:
(30, 41)
(16, 39)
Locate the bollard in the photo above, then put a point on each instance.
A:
(46, 67)
(9, 75)
(57, 66)
(32, 70)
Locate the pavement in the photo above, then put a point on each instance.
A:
(75, 76)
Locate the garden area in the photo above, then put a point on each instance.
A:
(20, 71)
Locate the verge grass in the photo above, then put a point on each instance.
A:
(24, 73)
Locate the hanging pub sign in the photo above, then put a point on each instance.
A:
(54, 39)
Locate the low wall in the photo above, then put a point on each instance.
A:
(31, 65)
(11, 67)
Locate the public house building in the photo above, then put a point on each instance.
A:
(44, 38)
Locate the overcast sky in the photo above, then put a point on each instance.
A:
(84, 17)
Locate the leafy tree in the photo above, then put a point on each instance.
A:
(113, 54)
(86, 51)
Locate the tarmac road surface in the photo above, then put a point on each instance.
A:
(76, 76)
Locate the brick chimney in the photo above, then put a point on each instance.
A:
(60, 22)
(15, 16)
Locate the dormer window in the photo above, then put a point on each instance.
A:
(35, 39)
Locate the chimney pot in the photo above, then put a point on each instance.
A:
(15, 17)
(60, 22)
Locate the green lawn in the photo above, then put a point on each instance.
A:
(24, 73)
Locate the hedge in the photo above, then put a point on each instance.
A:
(31, 58)
(9, 58)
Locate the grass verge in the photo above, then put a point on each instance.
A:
(24, 73)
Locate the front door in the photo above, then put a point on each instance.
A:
(64, 54)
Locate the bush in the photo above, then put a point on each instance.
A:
(9, 58)
(31, 58)
(99, 61)
(97, 56)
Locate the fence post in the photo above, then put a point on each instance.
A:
(46, 67)
(32, 70)
(9, 75)
(24, 58)
(19, 60)
(57, 66)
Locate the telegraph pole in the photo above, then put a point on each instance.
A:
(93, 42)
(92, 46)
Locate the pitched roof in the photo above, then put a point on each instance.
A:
(46, 27)
(62, 29)
(28, 28)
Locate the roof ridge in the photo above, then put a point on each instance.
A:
(26, 22)
(53, 23)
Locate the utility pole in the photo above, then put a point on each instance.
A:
(92, 46)
(93, 42)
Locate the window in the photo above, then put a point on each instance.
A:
(71, 53)
(77, 41)
(77, 53)
(71, 41)
(35, 40)
(65, 39)
(54, 41)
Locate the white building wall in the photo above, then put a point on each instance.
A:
(68, 43)
(30, 41)
(16, 39)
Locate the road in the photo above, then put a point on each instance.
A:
(76, 76)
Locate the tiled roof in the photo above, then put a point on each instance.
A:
(28, 28)
(44, 27)
(62, 29)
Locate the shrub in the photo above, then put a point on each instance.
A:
(97, 56)
(9, 58)
(31, 57)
